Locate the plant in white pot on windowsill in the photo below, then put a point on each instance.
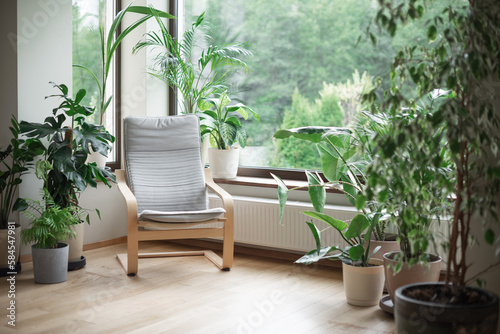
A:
(15, 161)
(223, 124)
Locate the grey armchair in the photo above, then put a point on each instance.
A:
(165, 189)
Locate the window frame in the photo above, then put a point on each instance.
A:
(117, 163)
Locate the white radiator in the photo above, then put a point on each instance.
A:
(257, 223)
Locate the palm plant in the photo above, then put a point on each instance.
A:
(195, 79)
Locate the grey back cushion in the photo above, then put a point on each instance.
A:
(163, 159)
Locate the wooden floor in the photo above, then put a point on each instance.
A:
(188, 295)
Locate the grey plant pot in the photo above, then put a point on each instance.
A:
(50, 265)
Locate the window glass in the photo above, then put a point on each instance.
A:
(307, 67)
(87, 52)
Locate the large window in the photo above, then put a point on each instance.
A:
(308, 67)
(87, 15)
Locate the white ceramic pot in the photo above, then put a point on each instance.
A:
(14, 231)
(75, 244)
(224, 163)
(363, 286)
(98, 158)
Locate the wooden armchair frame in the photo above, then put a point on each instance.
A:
(169, 231)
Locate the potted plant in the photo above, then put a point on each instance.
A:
(49, 224)
(67, 149)
(352, 147)
(363, 276)
(109, 44)
(460, 54)
(221, 123)
(416, 173)
(195, 75)
(15, 161)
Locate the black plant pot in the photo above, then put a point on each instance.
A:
(416, 316)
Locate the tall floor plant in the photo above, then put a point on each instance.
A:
(461, 54)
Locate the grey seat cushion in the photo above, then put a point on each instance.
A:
(181, 216)
(164, 168)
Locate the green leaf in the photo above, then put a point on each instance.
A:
(317, 192)
(432, 33)
(315, 255)
(356, 252)
(336, 224)
(356, 227)
(360, 202)
(228, 133)
(329, 163)
(205, 104)
(349, 189)
(311, 133)
(489, 236)
(282, 193)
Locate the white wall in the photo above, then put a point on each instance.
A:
(44, 54)
(8, 70)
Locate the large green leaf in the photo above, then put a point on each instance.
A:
(282, 194)
(336, 224)
(228, 133)
(311, 133)
(95, 136)
(356, 227)
(317, 192)
(315, 255)
(348, 188)
(356, 252)
(329, 162)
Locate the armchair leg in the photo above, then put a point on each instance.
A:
(132, 254)
(228, 246)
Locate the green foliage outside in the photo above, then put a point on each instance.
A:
(87, 52)
(303, 45)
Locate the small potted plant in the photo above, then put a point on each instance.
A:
(49, 223)
(222, 123)
(67, 150)
(15, 161)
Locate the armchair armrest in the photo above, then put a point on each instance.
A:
(227, 199)
(130, 199)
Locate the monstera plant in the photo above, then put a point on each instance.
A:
(69, 137)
